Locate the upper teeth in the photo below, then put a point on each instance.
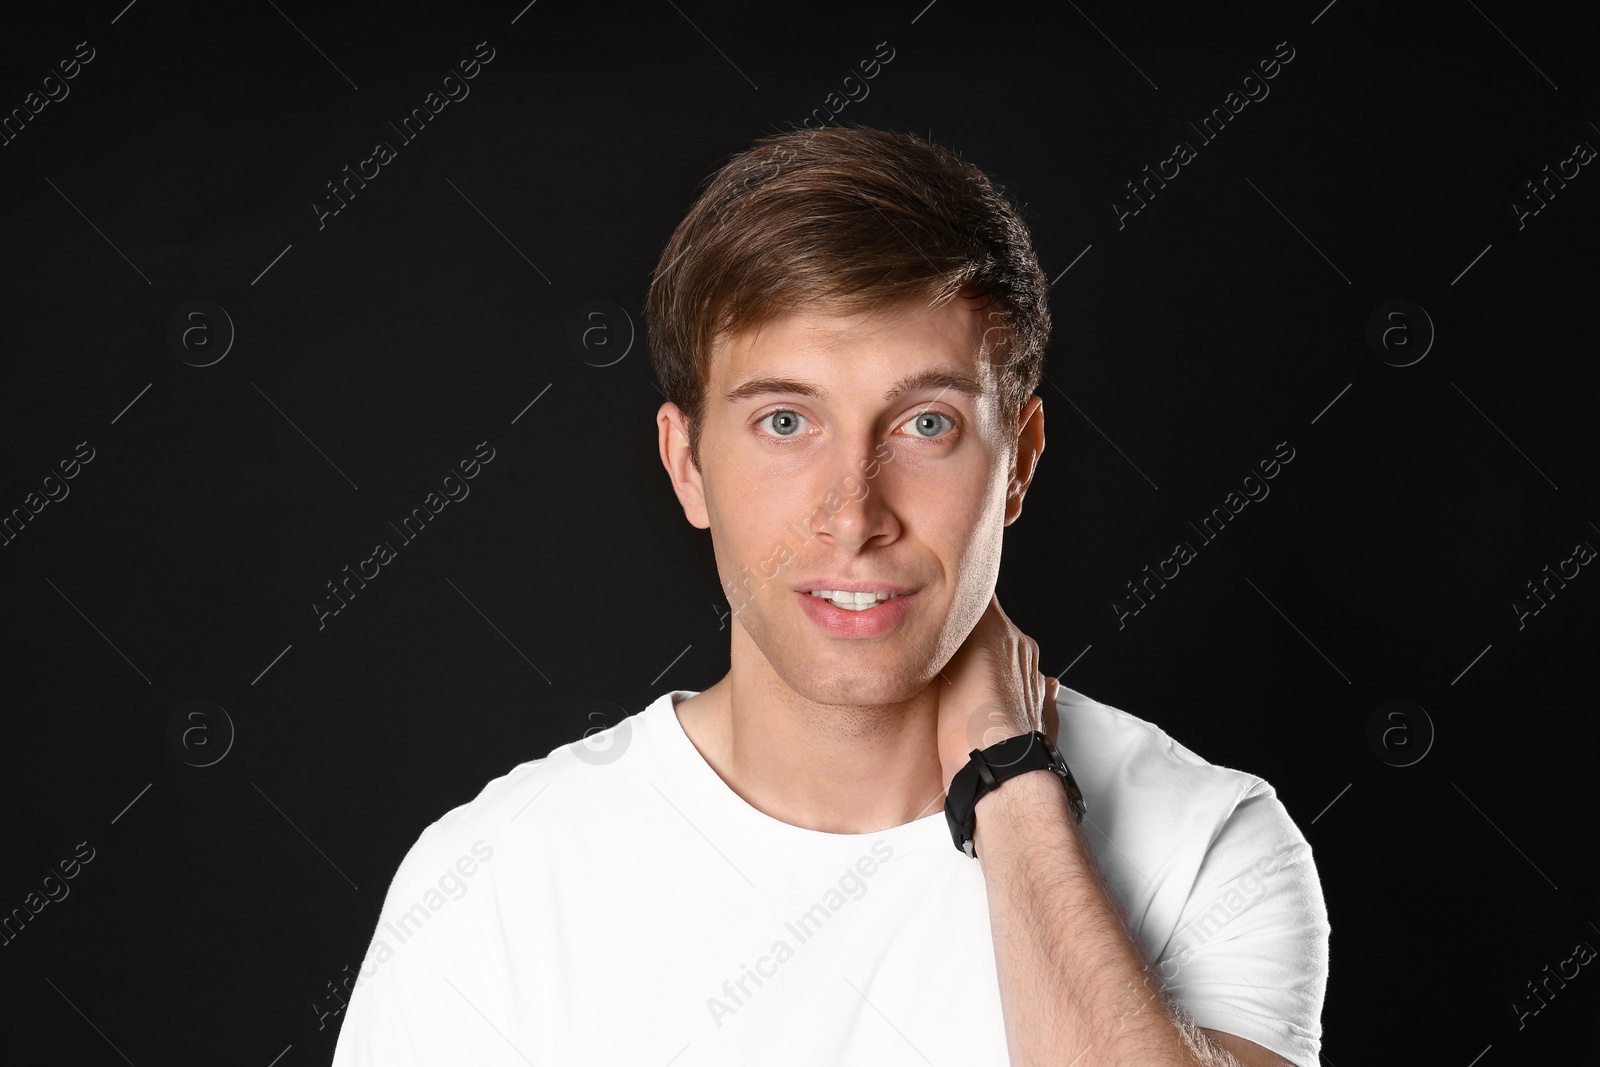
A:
(844, 598)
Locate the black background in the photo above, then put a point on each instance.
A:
(1229, 315)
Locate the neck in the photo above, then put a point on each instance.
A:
(836, 768)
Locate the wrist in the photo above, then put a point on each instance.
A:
(1024, 793)
(1009, 766)
(1014, 812)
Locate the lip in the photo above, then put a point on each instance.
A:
(841, 622)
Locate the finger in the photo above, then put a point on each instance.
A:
(1043, 689)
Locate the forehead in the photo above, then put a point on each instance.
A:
(819, 342)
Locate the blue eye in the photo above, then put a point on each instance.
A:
(920, 419)
(790, 418)
(787, 424)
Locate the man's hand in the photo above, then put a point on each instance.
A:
(995, 691)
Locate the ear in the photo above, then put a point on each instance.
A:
(673, 430)
(1030, 445)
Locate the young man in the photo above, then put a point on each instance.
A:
(849, 326)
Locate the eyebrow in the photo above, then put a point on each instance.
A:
(952, 380)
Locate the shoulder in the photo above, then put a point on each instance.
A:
(1216, 876)
(1134, 767)
(445, 914)
(512, 814)
(1167, 824)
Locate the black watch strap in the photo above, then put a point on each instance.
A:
(986, 769)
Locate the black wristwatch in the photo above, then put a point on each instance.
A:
(993, 765)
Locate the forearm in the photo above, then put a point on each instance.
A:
(1076, 984)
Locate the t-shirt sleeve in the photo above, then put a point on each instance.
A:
(1249, 955)
(427, 993)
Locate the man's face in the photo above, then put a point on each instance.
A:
(857, 452)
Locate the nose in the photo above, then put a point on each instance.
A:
(855, 511)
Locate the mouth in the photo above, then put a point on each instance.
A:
(850, 601)
(850, 614)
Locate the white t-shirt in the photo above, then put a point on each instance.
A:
(617, 903)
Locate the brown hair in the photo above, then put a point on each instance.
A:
(843, 218)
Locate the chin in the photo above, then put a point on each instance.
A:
(852, 688)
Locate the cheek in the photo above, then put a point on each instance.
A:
(947, 490)
(976, 523)
(753, 529)
(979, 568)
